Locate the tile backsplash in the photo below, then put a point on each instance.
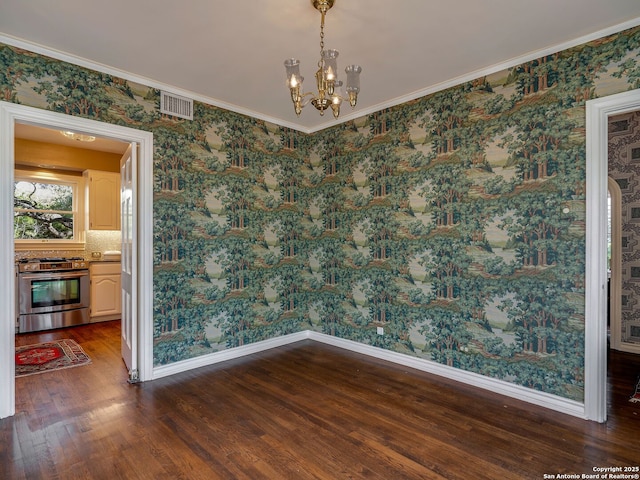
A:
(96, 241)
(101, 241)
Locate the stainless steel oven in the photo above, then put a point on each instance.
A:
(52, 293)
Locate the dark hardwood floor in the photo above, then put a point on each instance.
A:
(302, 411)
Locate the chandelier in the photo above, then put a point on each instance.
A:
(326, 76)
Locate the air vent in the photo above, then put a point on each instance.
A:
(176, 105)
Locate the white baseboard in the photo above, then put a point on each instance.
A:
(229, 354)
(628, 347)
(501, 387)
(553, 402)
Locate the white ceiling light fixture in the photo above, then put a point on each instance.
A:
(326, 76)
(80, 137)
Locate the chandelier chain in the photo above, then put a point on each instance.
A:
(321, 61)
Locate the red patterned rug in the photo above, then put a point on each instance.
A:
(635, 398)
(49, 356)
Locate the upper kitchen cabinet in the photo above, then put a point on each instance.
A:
(103, 200)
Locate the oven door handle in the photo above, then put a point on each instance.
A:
(54, 275)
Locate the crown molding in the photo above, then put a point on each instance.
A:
(132, 77)
(149, 82)
(453, 82)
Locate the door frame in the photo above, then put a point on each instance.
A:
(598, 112)
(10, 114)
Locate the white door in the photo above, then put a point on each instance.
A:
(129, 222)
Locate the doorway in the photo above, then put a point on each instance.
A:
(598, 112)
(614, 258)
(141, 318)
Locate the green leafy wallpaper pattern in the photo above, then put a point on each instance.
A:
(456, 222)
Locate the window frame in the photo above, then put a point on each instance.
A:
(77, 184)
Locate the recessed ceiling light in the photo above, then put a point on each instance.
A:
(81, 137)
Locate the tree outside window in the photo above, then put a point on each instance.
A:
(45, 209)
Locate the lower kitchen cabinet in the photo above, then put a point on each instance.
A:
(106, 291)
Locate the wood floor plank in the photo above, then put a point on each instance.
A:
(301, 411)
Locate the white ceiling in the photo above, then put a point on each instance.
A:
(230, 53)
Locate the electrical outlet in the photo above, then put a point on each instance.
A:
(380, 330)
(96, 254)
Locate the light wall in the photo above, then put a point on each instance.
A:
(47, 155)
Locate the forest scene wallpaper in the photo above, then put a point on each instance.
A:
(456, 222)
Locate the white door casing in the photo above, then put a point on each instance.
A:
(142, 317)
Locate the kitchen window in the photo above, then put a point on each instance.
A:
(48, 210)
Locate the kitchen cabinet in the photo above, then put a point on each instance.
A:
(102, 199)
(106, 291)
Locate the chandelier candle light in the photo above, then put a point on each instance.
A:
(326, 76)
